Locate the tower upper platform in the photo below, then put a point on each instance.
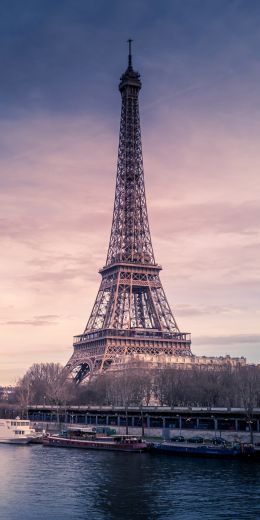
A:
(130, 78)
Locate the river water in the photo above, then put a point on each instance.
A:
(41, 483)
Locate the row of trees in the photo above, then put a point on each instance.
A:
(139, 385)
(43, 383)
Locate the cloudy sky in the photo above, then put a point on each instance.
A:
(61, 61)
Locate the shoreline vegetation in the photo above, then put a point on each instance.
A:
(138, 384)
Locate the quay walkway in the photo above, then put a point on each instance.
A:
(158, 421)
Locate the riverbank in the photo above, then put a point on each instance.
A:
(151, 433)
(155, 421)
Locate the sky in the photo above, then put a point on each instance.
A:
(61, 61)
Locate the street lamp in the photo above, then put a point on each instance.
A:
(126, 419)
(249, 422)
(215, 424)
(179, 417)
(142, 419)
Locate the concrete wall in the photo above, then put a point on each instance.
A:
(159, 432)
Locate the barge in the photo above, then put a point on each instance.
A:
(235, 450)
(129, 443)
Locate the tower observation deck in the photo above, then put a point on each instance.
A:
(131, 316)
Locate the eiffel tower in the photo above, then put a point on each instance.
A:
(131, 316)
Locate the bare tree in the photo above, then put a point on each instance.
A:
(248, 382)
(136, 383)
(43, 383)
(23, 394)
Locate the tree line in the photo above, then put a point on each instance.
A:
(136, 385)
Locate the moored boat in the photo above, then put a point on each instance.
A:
(235, 450)
(16, 431)
(129, 443)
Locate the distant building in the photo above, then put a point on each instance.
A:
(187, 362)
(6, 393)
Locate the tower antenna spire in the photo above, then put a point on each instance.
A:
(129, 53)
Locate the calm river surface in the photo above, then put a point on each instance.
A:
(40, 483)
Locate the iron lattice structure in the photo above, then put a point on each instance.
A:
(131, 315)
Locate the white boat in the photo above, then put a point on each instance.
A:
(16, 431)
